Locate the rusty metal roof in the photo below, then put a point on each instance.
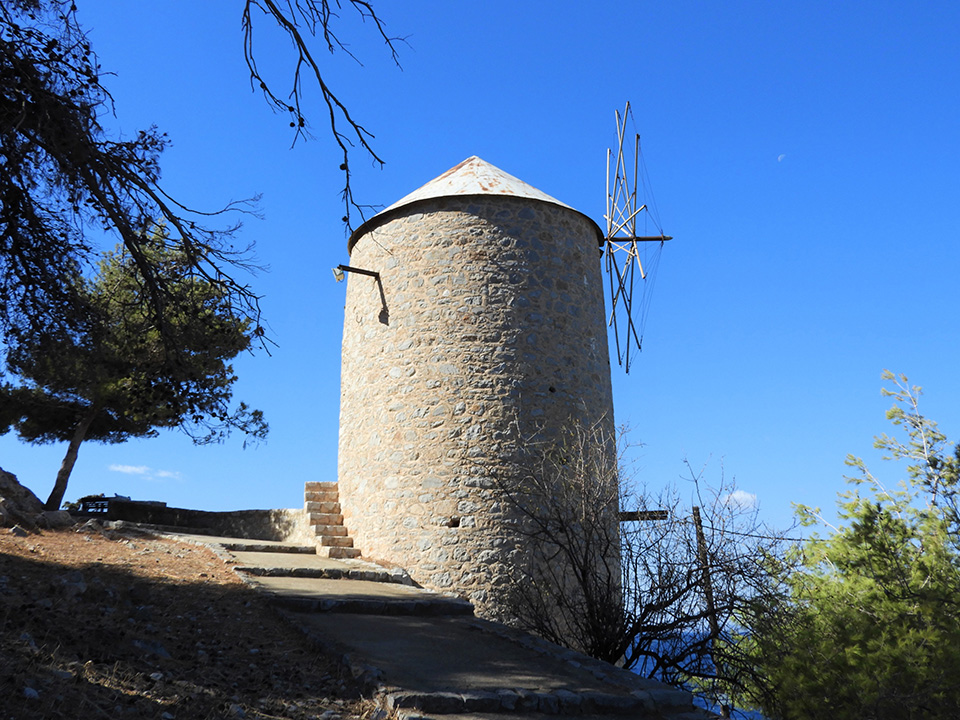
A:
(473, 176)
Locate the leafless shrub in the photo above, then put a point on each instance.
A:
(650, 581)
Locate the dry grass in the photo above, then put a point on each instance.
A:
(120, 626)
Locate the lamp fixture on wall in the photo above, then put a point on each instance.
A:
(339, 270)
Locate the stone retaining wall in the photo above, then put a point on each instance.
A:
(286, 525)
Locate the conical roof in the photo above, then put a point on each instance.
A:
(473, 176)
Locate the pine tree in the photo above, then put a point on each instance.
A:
(125, 376)
(870, 625)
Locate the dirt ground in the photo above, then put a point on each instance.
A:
(106, 625)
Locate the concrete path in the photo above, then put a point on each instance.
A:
(426, 656)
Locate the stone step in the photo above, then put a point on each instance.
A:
(335, 541)
(325, 573)
(539, 705)
(352, 596)
(371, 606)
(316, 486)
(342, 553)
(269, 547)
(323, 507)
(330, 530)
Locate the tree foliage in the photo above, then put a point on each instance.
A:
(870, 626)
(123, 376)
(64, 182)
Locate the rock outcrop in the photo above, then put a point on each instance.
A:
(19, 507)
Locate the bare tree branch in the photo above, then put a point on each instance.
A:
(313, 17)
(633, 593)
(62, 177)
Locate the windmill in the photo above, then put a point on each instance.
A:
(628, 253)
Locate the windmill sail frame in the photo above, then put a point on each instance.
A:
(622, 242)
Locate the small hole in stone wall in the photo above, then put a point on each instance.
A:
(552, 388)
(453, 522)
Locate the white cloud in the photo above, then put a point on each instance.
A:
(147, 473)
(741, 498)
(130, 469)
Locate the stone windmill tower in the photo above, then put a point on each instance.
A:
(474, 325)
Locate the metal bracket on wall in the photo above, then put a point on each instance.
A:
(339, 270)
(338, 273)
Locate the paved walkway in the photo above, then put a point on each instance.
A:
(426, 656)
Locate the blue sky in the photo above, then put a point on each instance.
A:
(803, 155)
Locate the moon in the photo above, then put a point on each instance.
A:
(781, 156)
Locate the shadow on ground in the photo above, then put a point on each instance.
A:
(100, 639)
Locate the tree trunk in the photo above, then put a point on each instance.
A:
(66, 467)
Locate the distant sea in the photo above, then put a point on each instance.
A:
(701, 702)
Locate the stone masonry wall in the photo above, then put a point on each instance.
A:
(485, 332)
(286, 525)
